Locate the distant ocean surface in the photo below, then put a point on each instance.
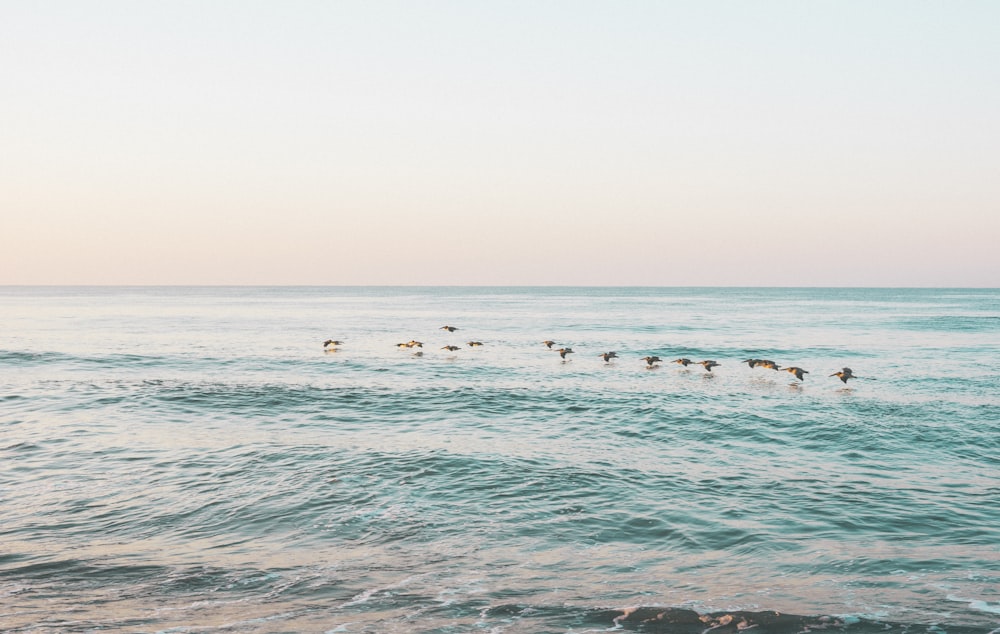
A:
(192, 460)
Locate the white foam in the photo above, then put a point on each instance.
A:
(976, 604)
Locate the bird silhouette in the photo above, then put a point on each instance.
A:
(767, 364)
(763, 363)
(798, 372)
(844, 374)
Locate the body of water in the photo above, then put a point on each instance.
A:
(194, 460)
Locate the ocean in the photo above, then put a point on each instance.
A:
(192, 459)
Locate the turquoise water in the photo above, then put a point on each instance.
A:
(192, 460)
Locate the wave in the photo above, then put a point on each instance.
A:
(82, 595)
(951, 323)
(686, 621)
(123, 360)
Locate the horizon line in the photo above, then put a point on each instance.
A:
(720, 286)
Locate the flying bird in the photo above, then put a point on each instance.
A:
(449, 328)
(765, 363)
(844, 374)
(798, 372)
(332, 344)
(449, 348)
(683, 362)
(608, 356)
(549, 344)
(564, 351)
(651, 360)
(473, 344)
(708, 364)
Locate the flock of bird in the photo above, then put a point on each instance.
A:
(844, 374)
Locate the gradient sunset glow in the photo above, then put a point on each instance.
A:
(520, 143)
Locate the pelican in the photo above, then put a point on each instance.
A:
(708, 365)
(449, 328)
(608, 356)
(564, 351)
(844, 374)
(651, 360)
(414, 344)
(473, 344)
(798, 372)
(449, 348)
(764, 363)
(331, 342)
(549, 344)
(683, 362)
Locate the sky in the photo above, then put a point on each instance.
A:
(542, 142)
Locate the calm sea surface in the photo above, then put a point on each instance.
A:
(192, 460)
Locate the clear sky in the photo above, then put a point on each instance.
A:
(843, 143)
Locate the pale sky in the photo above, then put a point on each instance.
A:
(798, 143)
